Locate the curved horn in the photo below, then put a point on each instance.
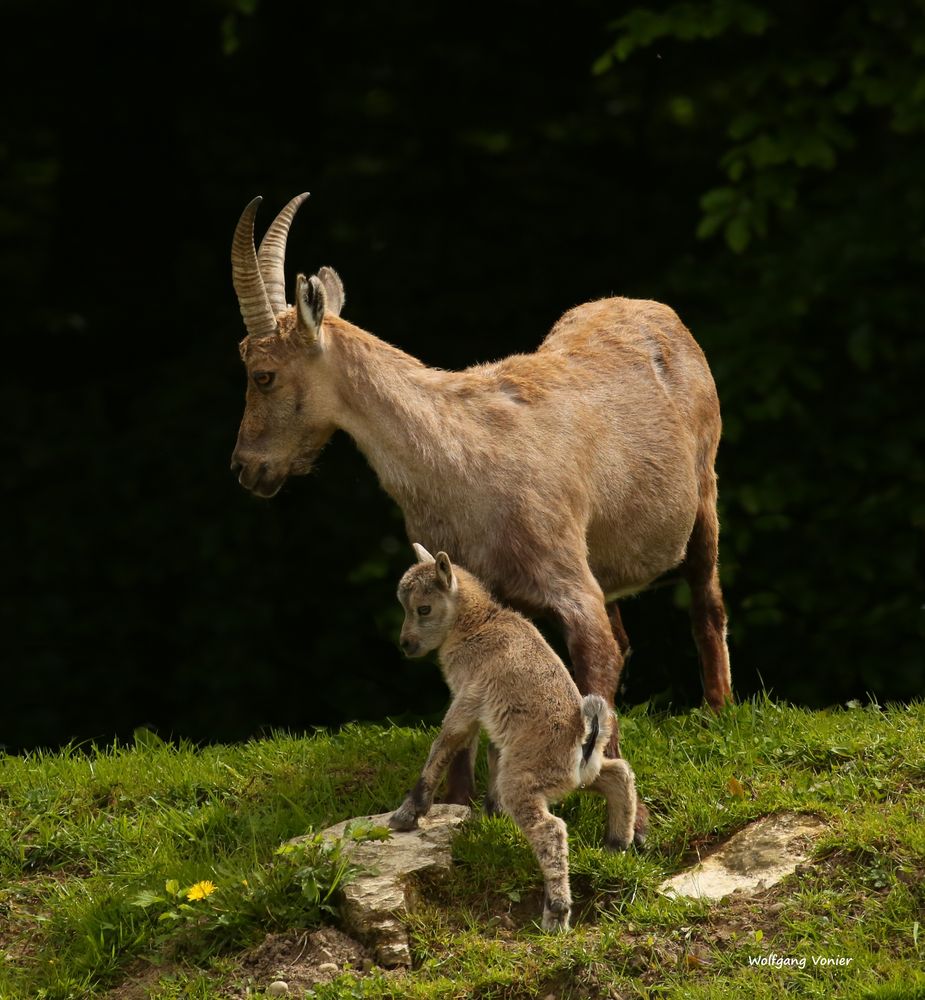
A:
(259, 318)
(271, 257)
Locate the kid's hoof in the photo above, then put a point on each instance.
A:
(556, 915)
(490, 806)
(641, 830)
(617, 843)
(403, 818)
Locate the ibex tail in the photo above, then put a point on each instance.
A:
(597, 716)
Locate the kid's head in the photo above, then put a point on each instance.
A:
(429, 593)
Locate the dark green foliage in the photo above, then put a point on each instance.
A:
(471, 180)
(815, 115)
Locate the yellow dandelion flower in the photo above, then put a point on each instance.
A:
(200, 890)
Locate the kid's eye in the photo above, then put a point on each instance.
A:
(264, 379)
(424, 610)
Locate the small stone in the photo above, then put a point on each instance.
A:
(278, 989)
(366, 965)
(327, 967)
(752, 860)
(376, 902)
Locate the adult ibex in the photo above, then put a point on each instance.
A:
(583, 469)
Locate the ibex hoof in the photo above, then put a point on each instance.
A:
(404, 818)
(491, 806)
(641, 827)
(556, 914)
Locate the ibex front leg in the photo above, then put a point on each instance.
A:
(460, 728)
(596, 657)
(597, 662)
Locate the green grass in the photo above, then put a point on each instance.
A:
(87, 835)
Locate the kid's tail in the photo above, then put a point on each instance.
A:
(598, 722)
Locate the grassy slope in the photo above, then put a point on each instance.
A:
(82, 834)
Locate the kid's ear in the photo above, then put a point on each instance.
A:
(445, 575)
(423, 555)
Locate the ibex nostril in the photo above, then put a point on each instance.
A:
(236, 468)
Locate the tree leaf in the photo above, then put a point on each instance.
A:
(737, 234)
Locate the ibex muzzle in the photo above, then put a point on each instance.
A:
(288, 411)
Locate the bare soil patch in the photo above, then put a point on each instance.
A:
(141, 978)
(301, 959)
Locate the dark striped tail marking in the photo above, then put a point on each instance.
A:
(588, 746)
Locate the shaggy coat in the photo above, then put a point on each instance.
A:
(546, 739)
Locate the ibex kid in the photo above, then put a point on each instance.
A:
(546, 739)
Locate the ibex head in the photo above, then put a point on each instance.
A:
(289, 404)
(429, 593)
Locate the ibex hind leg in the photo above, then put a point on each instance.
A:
(460, 784)
(492, 802)
(708, 615)
(548, 836)
(618, 786)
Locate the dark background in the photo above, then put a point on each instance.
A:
(474, 173)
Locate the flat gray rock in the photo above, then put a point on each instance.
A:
(755, 858)
(376, 902)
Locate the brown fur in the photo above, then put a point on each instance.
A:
(546, 739)
(583, 469)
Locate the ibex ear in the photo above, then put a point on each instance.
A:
(333, 289)
(445, 575)
(310, 304)
(423, 555)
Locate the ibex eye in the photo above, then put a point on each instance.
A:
(424, 610)
(264, 379)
